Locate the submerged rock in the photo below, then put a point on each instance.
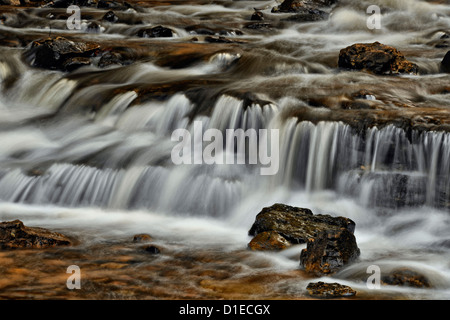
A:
(297, 225)
(406, 277)
(329, 290)
(375, 57)
(14, 235)
(445, 64)
(61, 54)
(155, 32)
(142, 237)
(152, 249)
(329, 251)
(268, 240)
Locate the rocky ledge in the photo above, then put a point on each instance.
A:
(15, 235)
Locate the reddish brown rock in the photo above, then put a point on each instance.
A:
(377, 58)
(268, 241)
(14, 235)
(329, 290)
(142, 237)
(406, 277)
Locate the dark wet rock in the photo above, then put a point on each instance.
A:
(258, 26)
(155, 32)
(111, 58)
(325, 290)
(219, 39)
(329, 251)
(375, 57)
(93, 27)
(268, 241)
(142, 237)
(110, 16)
(297, 225)
(445, 64)
(308, 15)
(299, 5)
(257, 16)
(406, 277)
(152, 249)
(14, 235)
(59, 53)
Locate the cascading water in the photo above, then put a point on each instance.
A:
(84, 151)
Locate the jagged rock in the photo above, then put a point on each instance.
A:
(375, 57)
(445, 64)
(329, 251)
(58, 53)
(142, 237)
(268, 241)
(406, 277)
(297, 225)
(329, 290)
(155, 32)
(14, 235)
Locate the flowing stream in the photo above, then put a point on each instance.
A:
(83, 153)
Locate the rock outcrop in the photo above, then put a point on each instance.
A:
(376, 58)
(14, 235)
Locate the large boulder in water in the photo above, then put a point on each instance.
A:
(295, 224)
(445, 64)
(61, 54)
(14, 235)
(377, 58)
(329, 251)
